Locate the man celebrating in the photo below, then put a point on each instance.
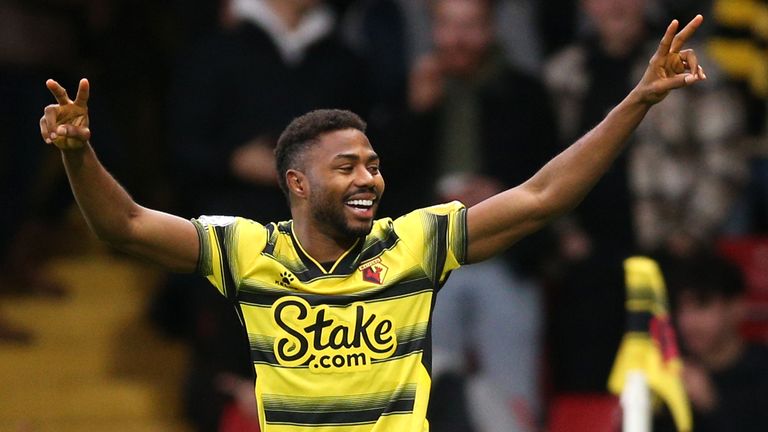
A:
(337, 304)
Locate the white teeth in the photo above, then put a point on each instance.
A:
(361, 203)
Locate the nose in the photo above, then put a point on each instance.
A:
(364, 178)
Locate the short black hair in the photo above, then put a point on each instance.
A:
(706, 276)
(304, 131)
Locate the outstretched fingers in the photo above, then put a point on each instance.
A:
(58, 92)
(666, 41)
(83, 92)
(681, 38)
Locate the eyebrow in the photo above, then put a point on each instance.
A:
(354, 157)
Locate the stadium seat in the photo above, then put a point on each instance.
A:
(584, 412)
(234, 420)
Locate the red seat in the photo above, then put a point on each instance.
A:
(751, 255)
(584, 412)
(234, 420)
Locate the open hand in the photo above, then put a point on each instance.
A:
(671, 67)
(65, 124)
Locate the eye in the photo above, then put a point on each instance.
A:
(345, 168)
(373, 169)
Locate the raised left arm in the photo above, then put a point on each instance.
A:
(496, 223)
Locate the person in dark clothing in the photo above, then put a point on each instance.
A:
(465, 104)
(586, 79)
(279, 60)
(725, 376)
(283, 59)
(468, 107)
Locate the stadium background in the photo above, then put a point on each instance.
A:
(83, 347)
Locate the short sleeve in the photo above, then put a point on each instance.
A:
(437, 236)
(215, 234)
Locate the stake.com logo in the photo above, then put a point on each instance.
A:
(331, 340)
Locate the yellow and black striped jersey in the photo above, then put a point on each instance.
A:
(343, 347)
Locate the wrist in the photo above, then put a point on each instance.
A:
(74, 148)
(639, 97)
(72, 155)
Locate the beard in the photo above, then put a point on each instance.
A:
(328, 212)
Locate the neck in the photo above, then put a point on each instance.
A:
(288, 12)
(321, 246)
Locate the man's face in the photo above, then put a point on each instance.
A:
(462, 34)
(345, 184)
(707, 325)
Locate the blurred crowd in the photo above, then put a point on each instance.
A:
(464, 98)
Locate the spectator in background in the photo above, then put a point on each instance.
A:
(586, 80)
(487, 338)
(222, 135)
(725, 376)
(464, 99)
(558, 21)
(28, 214)
(672, 191)
(739, 45)
(686, 172)
(25, 59)
(468, 106)
(515, 29)
(231, 95)
(378, 29)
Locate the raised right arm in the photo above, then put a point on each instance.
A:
(109, 210)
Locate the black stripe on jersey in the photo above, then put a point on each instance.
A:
(267, 356)
(378, 246)
(229, 288)
(343, 268)
(408, 342)
(264, 356)
(353, 411)
(269, 249)
(460, 242)
(404, 349)
(441, 248)
(400, 289)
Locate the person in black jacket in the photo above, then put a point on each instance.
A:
(469, 107)
(282, 59)
(725, 376)
(231, 96)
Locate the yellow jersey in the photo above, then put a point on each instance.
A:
(345, 347)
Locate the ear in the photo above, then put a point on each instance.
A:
(297, 183)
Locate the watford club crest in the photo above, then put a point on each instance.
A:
(374, 271)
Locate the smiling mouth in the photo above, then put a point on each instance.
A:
(362, 207)
(362, 204)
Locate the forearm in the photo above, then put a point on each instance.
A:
(107, 207)
(564, 181)
(498, 222)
